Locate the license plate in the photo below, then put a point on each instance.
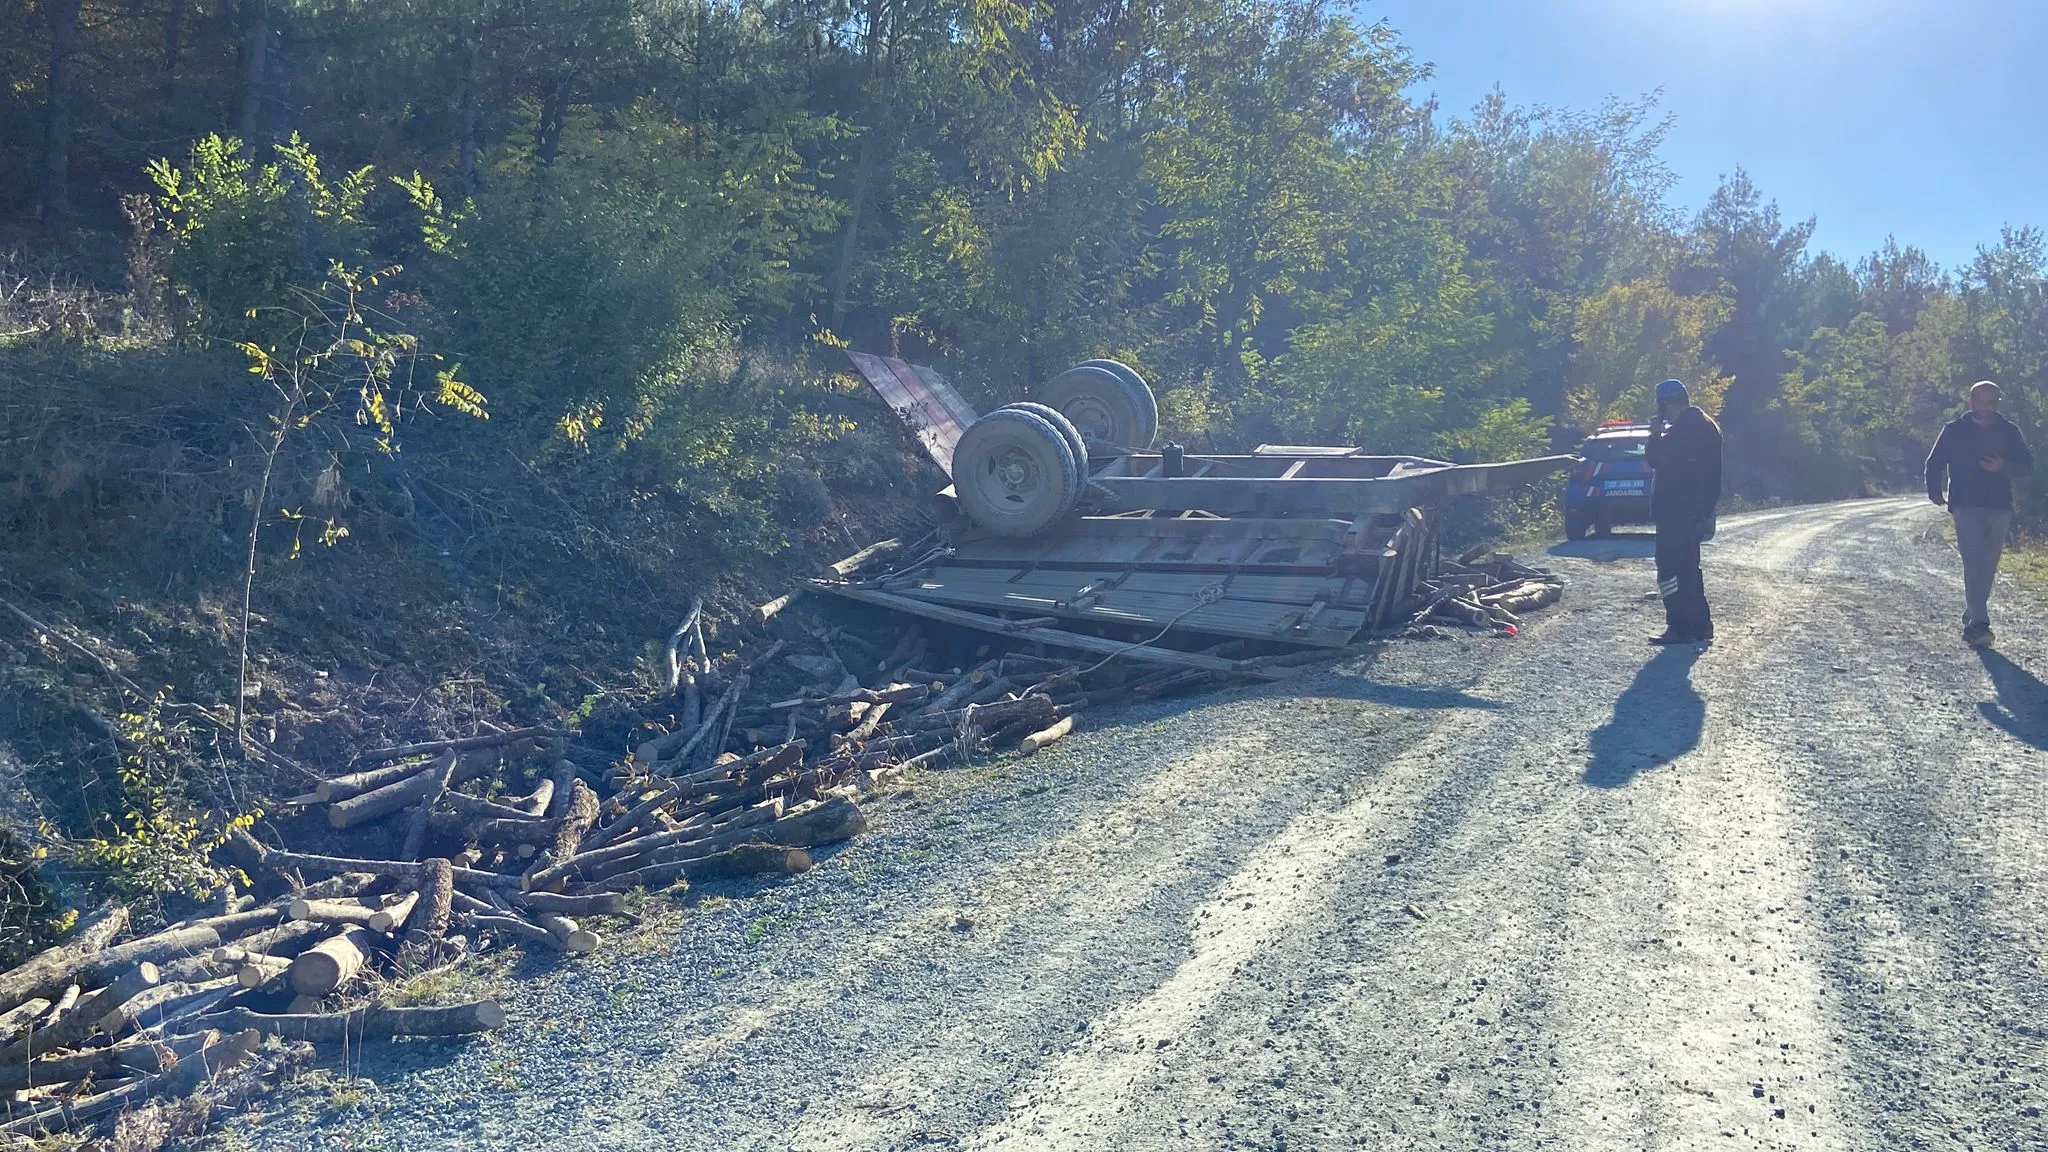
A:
(1624, 485)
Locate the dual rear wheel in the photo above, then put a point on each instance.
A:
(1018, 470)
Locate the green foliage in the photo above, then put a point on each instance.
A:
(636, 261)
(1629, 337)
(242, 235)
(161, 841)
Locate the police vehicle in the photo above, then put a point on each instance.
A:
(1613, 485)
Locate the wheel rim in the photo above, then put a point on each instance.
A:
(1014, 477)
(1092, 418)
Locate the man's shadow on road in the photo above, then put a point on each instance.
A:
(2021, 709)
(1656, 720)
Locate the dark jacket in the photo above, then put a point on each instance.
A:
(1954, 459)
(1686, 454)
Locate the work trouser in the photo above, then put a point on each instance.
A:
(1680, 583)
(1980, 537)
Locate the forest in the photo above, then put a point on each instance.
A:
(528, 309)
(607, 209)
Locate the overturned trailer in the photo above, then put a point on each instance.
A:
(1062, 519)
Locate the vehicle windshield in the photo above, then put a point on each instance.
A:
(1616, 448)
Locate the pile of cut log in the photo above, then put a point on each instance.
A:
(93, 1027)
(1481, 591)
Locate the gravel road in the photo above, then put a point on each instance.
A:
(1563, 891)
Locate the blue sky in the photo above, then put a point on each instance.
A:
(1924, 119)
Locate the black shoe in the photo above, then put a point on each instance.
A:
(1977, 635)
(1669, 639)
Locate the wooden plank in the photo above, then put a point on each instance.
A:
(933, 410)
(1042, 584)
(1052, 637)
(1239, 528)
(1231, 616)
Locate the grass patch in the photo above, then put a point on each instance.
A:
(476, 978)
(2026, 561)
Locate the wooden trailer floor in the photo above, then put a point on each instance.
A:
(1261, 580)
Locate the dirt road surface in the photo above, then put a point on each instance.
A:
(1564, 891)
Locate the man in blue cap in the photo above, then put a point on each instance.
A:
(1685, 452)
(1971, 469)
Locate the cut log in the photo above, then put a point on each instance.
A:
(153, 1056)
(739, 860)
(341, 887)
(510, 926)
(256, 971)
(46, 974)
(372, 1022)
(854, 563)
(961, 690)
(153, 1006)
(565, 779)
(188, 1075)
(72, 1028)
(407, 870)
(332, 963)
(391, 917)
(381, 802)
(993, 691)
(357, 783)
(825, 822)
(990, 715)
(287, 939)
(571, 936)
(576, 822)
(429, 920)
(519, 830)
(471, 808)
(535, 803)
(20, 1018)
(894, 694)
(236, 924)
(773, 608)
(65, 1003)
(422, 815)
(461, 744)
(595, 904)
(961, 747)
(108, 964)
(79, 1065)
(678, 641)
(350, 912)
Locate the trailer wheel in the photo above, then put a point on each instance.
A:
(1108, 402)
(1014, 474)
(1065, 429)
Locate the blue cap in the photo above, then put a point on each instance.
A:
(1671, 390)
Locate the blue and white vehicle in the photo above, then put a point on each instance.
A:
(1614, 483)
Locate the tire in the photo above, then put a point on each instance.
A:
(1014, 474)
(1107, 402)
(1574, 527)
(1141, 395)
(1066, 429)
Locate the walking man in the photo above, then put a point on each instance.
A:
(1685, 453)
(1971, 469)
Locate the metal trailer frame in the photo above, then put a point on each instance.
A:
(1295, 544)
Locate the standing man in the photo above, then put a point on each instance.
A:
(1979, 454)
(1685, 453)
